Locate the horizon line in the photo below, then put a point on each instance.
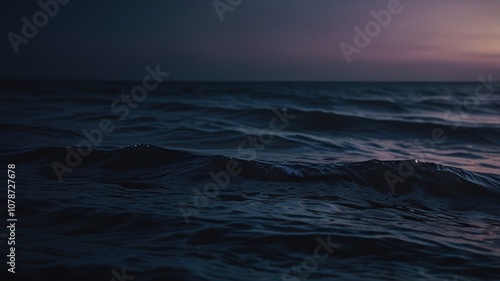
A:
(237, 81)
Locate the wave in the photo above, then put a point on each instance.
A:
(146, 163)
(366, 124)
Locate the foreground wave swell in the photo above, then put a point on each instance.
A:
(431, 178)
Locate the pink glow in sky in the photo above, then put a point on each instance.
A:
(430, 40)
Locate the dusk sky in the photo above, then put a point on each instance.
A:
(259, 40)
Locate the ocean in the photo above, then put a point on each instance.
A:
(252, 181)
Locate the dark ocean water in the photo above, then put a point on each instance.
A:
(254, 181)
